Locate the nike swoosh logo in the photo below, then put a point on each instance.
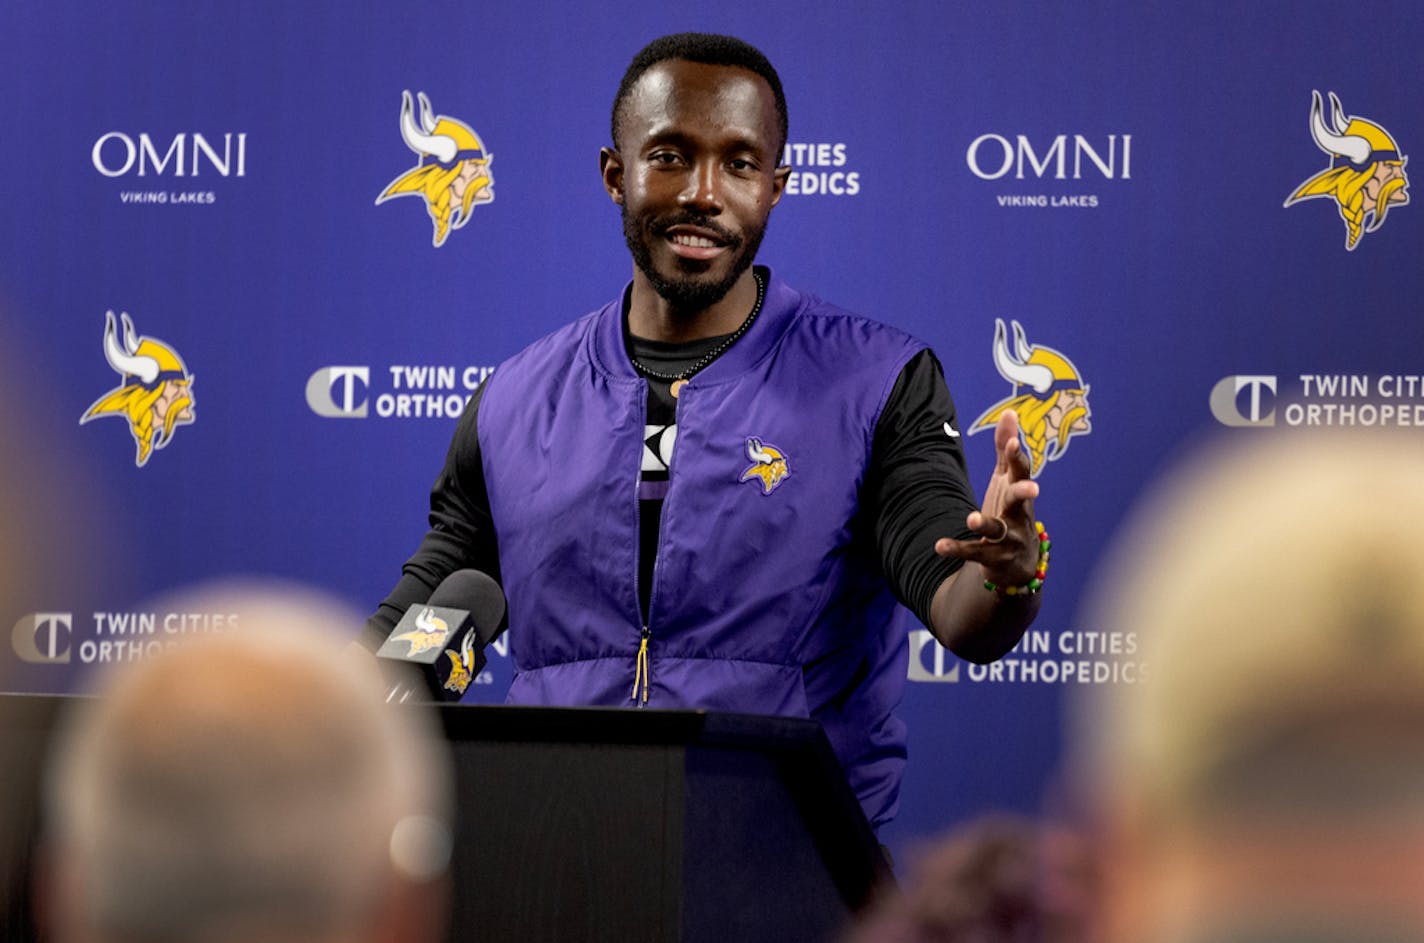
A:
(950, 431)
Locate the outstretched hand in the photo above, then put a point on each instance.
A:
(1007, 546)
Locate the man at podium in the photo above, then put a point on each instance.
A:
(715, 491)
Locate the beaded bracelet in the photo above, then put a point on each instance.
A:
(1041, 571)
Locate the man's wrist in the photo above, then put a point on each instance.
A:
(1035, 582)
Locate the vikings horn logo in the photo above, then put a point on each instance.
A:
(155, 395)
(429, 632)
(768, 465)
(1366, 173)
(453, 172)
(1049, 396)
(462, 665)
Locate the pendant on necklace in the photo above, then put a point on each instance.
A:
(677, 386)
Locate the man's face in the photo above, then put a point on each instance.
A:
(696, 175)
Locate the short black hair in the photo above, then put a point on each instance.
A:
(707, 48)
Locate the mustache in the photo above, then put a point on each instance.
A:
(1382, 201)
(176, 410)
(689, 218)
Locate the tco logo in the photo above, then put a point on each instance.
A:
(1255, 408)
(42, 638)
(332, 392)
(933, 669)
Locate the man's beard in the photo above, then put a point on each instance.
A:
(688, 293)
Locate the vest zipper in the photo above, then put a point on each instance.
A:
(641, 673)
(641, 669)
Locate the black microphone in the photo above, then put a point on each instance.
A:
(444, 639)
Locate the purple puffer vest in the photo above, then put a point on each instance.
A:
(760, 602)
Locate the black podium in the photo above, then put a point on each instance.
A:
(634, 826)
(641, 826)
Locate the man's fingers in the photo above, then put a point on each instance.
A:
(991, 529)
(978, 551)
(1012, 502)
(949, 547)
(1006, 437)
(1009, 457)
(1024, 489)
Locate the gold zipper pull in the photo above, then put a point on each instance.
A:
(641, 673)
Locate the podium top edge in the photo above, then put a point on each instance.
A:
(629, 725)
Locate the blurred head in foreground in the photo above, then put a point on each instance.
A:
(249, 786)
(1265, 781)
(994, 879)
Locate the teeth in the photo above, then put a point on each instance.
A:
(697, 242)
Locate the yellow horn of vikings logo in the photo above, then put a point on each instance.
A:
(768, 465)
(452, 170)
(1366, 173)
(155, 394)
(429, 632)
(462, 666)
(1049, 396)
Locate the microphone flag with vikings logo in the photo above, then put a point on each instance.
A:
(444, 639)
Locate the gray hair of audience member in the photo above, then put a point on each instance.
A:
(246, 785)
(1273, 589)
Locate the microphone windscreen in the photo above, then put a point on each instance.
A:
(477, 594)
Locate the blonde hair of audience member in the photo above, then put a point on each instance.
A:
(1265, 781)
(250, 786)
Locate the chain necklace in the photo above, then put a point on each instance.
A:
(679, 380)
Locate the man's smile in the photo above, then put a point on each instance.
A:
(691, 242)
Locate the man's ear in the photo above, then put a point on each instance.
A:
(779, 176)
(610, 165)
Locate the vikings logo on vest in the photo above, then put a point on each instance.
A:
(452, 173)
(768, 465)
(1366, 173)
(155, 394)
(1049, 396)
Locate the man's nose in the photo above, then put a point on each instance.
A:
(703, 191)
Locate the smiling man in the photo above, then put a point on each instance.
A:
(797, 468)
